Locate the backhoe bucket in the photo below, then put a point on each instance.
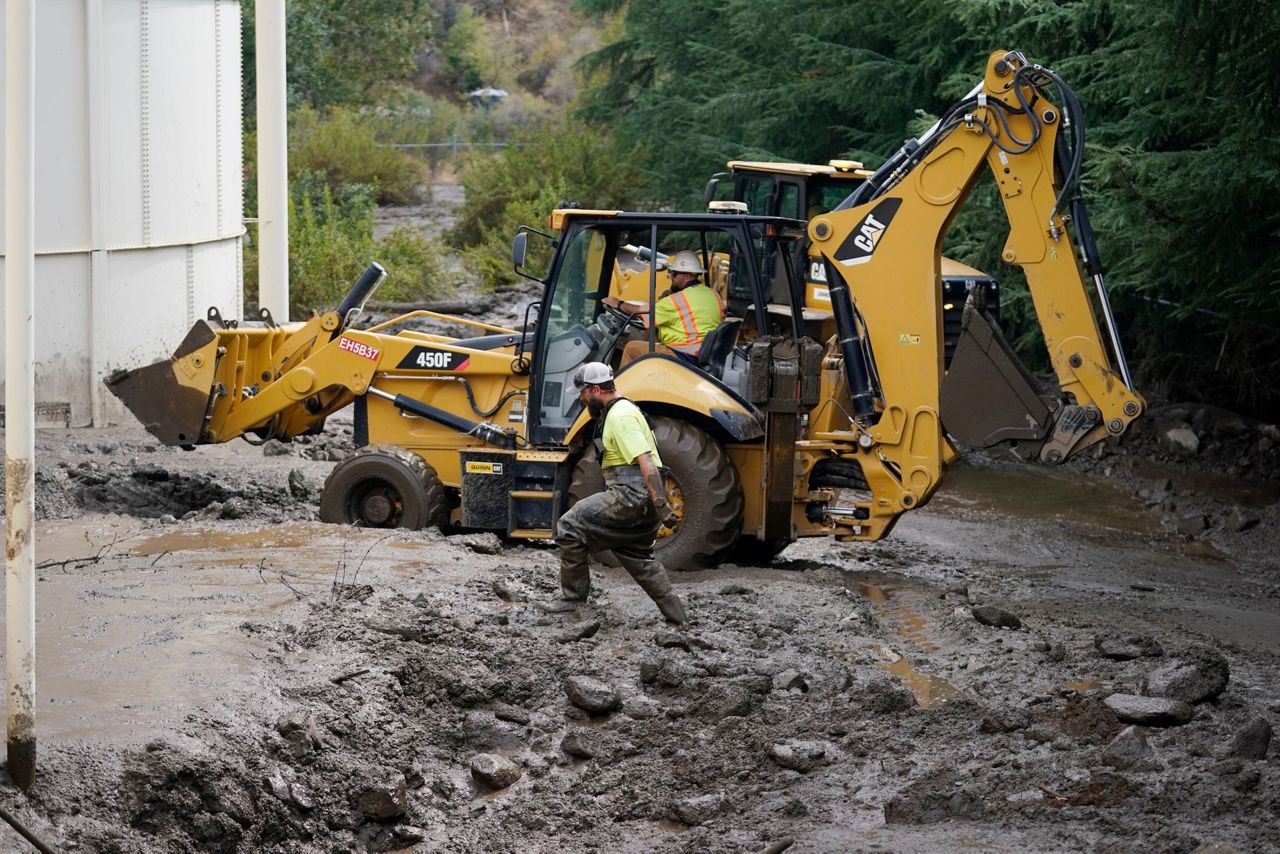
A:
(171, 397)
(987, 396)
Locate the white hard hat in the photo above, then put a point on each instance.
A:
(593, 373)
(685, 262)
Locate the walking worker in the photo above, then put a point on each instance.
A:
(683, 317)
(625, 517)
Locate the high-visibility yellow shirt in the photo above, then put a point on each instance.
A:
(685, 317)
(627, 436)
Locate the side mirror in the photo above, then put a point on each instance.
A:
(519, 249)
(710, 192)
(541, 254)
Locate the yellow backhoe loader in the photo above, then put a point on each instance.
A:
(771, 435)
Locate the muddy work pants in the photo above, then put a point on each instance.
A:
(622, 520)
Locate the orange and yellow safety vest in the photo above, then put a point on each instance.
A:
(685, 317)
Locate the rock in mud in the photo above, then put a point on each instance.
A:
(641, 708)
(1196, 674)
(591, 695)
(1251, 741)
(275, 448)
(582, 743)
(695, 811)
(802, 756)
(1127, 647)
(511, 714)
(1057, 652)
(234, 507)
(990, 615)
(580, 631)
(1126, 748)
(1149, 711)
(298, 486)
(484, 544)
(382, 800)
(300, 732)
(508, 591)
(494, 772)
(1181, 440)
(736, 590)
(790, 680)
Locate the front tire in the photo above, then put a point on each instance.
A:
(703, 488)
(382, 486)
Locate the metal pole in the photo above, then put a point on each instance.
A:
(19, 387)
(273, 160)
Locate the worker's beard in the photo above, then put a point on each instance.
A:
(595, 406)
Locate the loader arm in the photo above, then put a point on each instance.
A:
(881, 249)
(276, 382)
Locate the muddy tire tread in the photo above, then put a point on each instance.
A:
(435, 507)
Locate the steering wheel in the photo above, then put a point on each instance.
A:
(629, 319)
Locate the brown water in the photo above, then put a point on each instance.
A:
(1043, 495)
(158, 633)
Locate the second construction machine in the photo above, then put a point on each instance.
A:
(772, 436)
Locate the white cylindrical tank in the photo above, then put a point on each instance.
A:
(138, 184)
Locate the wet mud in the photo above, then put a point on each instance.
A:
(217, 671)
(252, 680)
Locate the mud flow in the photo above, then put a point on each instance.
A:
(1035, 661)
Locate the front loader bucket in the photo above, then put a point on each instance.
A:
(987, 396)
(171, 397)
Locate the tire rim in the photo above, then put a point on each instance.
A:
(375, 503)
(675, 500)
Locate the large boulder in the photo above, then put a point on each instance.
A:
(1195, 674)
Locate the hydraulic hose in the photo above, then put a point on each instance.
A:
(489, 433)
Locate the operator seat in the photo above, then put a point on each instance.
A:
(717, 346)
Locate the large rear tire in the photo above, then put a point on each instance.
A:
(702, 486)
(382, 486)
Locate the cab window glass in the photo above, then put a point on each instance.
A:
(755, 192)
(789, 200)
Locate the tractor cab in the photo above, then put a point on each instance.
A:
(601, 254)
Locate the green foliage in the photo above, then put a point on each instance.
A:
(1182, 169)
(342, 146)
(524, 182)
(339, 51)
(463, 48)
(331, 242)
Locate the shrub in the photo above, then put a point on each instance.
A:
(331, 242)
(342, 146)
(521, 184)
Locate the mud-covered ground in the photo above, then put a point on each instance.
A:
(218, 672)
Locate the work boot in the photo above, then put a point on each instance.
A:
(672, 608)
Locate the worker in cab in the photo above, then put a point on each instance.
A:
(625, 518)
(683, 317)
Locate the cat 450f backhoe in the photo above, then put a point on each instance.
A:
(771, 436)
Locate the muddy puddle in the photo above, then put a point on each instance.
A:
(136, 630)
(1037, 495)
